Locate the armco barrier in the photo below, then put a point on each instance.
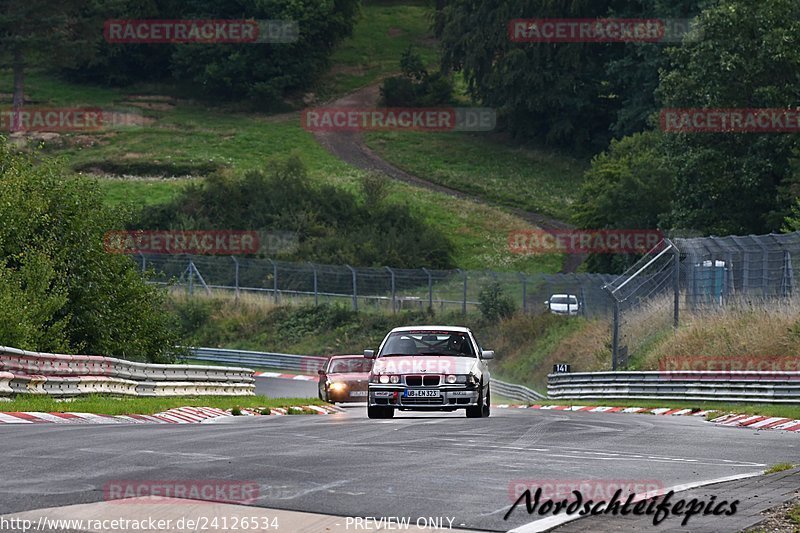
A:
(768, 387)
(278, 361)
(517, 393)
(24, 372)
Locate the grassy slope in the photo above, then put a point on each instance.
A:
(189, 135)
(484, 166)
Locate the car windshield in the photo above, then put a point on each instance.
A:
(453, 343)
(563, 300)
(350, 364)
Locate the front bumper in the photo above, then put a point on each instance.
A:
(450, 397)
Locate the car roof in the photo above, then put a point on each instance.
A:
(459, 329)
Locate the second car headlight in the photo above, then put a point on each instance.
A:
(338, 386)
(395, 379)
(456, 379)
(384, 379)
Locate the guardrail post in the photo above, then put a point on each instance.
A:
(355, 288)
(430, 288)
(394, 292)
(236, 276)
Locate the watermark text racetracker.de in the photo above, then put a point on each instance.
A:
(149, 523)
(344, 119)
(730, 120)
(200, 31)
(595, 497)
(584, 241)
(213, 242)
(602, 30)
(757, 367)
(67, 119)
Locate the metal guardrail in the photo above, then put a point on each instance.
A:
(730, 386)
(24, 372)
(281, 361)
(518, 393)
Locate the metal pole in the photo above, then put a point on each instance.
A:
(274, 280)
(430, 288)
(615, 337)
(676, 287)
(464, 302)
(524, 292)
(394, 291)
(191, 277)
(316, 293)
(236, 268)
(144, 262)
(355, 288)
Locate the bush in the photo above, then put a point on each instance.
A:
(416, 87)
(332, 225)
(59, 289)
(494, 303)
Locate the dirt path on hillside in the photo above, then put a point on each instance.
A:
(351, 148)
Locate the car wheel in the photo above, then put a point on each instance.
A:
(482, 409)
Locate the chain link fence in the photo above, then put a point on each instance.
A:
(697, 276)
(365, 289)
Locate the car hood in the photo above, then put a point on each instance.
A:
(348, 376)
(424, 364)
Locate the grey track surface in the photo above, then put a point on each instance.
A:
(285, 388)
(414, 465)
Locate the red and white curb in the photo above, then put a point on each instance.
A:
(298, 377)
(749, 421)
(180, 415)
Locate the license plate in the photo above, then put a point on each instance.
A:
(358, 393)
(412, 393)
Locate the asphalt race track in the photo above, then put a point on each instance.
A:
(413, 465)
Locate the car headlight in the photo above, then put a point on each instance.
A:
(395, 379)
(338, 386)
(384, 379)
(451, 379)
(456, 379)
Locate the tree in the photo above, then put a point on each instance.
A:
(45, 33)
(59, 289)
(555, 92)
(629, 186)
(747, 57)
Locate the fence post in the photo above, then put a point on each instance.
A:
(144, 262)
(274, 280)
(316, 293)
(676, 286)
(524, 292)
(191, 277)
(430, 288)
(464, 302)
(394, 291)
(355, 288)
(236, 276)
(615, 337)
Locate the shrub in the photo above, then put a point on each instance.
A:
(494, 303)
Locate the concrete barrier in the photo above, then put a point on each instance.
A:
(25, 372)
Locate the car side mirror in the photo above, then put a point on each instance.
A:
(369, 354)
(547, 302)
(321, 372)
(487, 354)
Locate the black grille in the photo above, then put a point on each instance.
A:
(418, 381)
(414, 381)
(430, 381)
(422, 401)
